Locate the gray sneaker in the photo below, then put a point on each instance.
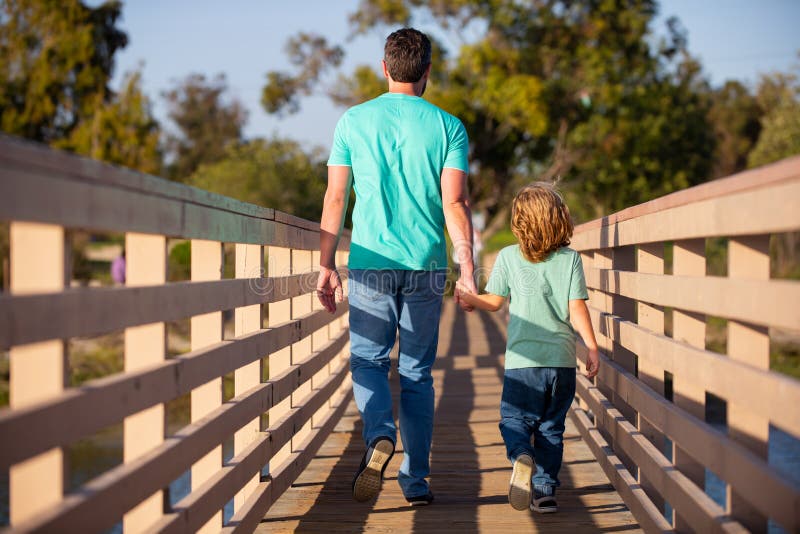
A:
(544, 502)
(519, 490)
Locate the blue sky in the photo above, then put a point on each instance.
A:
(171, 38)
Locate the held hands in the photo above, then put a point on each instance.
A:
(592, 364)
(329, 288)
(465, 285)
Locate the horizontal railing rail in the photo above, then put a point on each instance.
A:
(648, 415)
(290, 376)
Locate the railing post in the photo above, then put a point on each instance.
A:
(301, 263)
(249, 264)
(206, 262)
(279, 264)
(688, 259)
(38, 370)
(624, 259)
(650, 260)
(748, 257)
(621, 258)
(146, 264)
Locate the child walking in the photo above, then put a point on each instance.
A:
(545, 281)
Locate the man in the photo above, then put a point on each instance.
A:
(407, 160)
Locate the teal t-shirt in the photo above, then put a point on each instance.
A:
(397, 146)
(539, 331)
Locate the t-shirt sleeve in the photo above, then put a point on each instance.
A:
(457, 148)
(577, 286)
(340, 151)
(498, 280)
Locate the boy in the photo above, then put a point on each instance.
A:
(545, 281)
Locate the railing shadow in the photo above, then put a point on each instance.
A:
(455, 470)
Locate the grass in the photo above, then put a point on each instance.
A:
(784, 358)
(96, 358)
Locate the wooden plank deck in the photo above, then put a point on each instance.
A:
(470, 472)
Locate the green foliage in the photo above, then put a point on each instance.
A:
(309, 51)
(785, 358)
(553, 89)
(179, 264)
(274, 173)
(206, 123)
(779, 96)
(735, 114)
(500, 239)
(56, 59)
(122, 131)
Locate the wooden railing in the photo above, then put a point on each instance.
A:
(645, 414)
(278, 420)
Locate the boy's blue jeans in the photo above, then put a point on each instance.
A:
(534, 403)
(381, 301)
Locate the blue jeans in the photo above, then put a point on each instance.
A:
(381, 301)
(535, 402)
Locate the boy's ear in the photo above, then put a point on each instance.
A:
(385, 70)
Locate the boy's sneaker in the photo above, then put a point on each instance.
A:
(421, 500)
(519, 491)
(544, 502)
(369, 476)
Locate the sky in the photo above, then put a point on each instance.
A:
(169, 39)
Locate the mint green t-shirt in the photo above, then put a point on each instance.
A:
(539, 331)
(397, 146)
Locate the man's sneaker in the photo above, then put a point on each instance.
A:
(421, 500)
(544, 504)
(519, 491)
(367, 482)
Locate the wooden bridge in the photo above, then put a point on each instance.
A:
(640, 447)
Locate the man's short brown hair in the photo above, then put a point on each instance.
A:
(407, 54)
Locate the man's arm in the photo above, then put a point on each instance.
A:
(329, 286)
(458, 218)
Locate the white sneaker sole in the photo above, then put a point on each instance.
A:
(519, 491)
(368, 483)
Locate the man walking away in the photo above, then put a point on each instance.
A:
(407, 160)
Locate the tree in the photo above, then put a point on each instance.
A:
(553, 89)
(779, 97)
(274, 173)
(122, 131)
(56, 59)
(735, 114)
(206, 123)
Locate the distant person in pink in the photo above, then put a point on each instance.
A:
(118, 269)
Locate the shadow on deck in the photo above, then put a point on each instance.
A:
(469, 469)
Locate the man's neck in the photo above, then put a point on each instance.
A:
(411, 89)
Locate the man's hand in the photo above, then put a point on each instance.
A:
(592, 364)
(329, 288)
(465, 284)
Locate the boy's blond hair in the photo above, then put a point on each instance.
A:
(540, 221)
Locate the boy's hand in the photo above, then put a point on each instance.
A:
(592, 364)
(329, 288)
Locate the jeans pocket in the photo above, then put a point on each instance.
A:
(369, 285)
